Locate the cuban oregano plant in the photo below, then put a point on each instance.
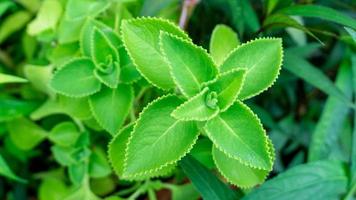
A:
(204, 97)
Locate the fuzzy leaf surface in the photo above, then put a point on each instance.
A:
(239, 133)
(262, 58)
(190, 65)
(141, 39)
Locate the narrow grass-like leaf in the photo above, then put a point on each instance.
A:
(6, 78)
(320, 12)
(222, 41)
(239, 134)
(262, 59)
(76, 79)
(141, 39)
(209, 186)
(158, 135)
(353, 151)
(190, 65)
(320, 180)
(197, 108)
(110, 107)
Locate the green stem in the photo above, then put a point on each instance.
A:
(351, 193)
(129, 190)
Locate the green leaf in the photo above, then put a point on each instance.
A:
(209, 186)
(313, 76)
(351, 32)
(76, 79)
(223, 40)
(184, 192)
(202, 152)
(98, 164)
(320, 180)
(79, 9)
(262, 58)
(198, 108)
(190, 65)
(12, 108)
(25, 134)
(330, 124)
(63, 155)
(353, 144)
(52, 189)
(6, 78)
(227, 87)
(102, 51)
(13, 23)
(4, 6)
(117, 149)
(236, 172)
(320, 12)
(7, 172)
(158, 139)
(47, 17)
(72, 34)
(239, 134)
(39, 77)
(110, 107)
(64, 134)
(83, 192)
(141, 39)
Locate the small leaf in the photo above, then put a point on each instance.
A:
(111, 106)
(13, 108)
(76, 79)
(196, 108)
(223, 40)
(236, 172)
(209, 186)
(110, 79)
(64, 134)
(52, 189)
(102, 51)
(6, 78)
(7, 172)
(320, 180)
(158, 140)
(25, 134)
(239, 134)
(190, 65)
(262, 58)
(228, 86)
(141, 39)
(13, 23)
(78, 9)
(98, 164)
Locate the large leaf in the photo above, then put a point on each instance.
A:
(198, 108)
(110, 107)
(190, 65)
(320, 12)
(7, 172)
(158, 139)
(209, 186)
(141, 39)
(222, 41)
(239, 134)
(332, 119)
(76, 79)
(319, 180)
(262, 58)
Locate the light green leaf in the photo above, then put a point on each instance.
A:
(76, 79)
(320, 12)
(47, 17)
(201, 107)
(223, 40)
(83, 192)
(72, 34)
(63, 155)
(4, 6)
(25, 134)
(190, 65)
(98, 164)
(158, 139)
(351, 32)
(239, 134)
(13, 23)
(184, 192)
(262, 58)
(320, 180)
(52, 189)
(6, 78)
(64, 134)
(79, 9)
(141, 39)
(236, 172)
(117, 149)
(63, 52)
(227, 87)
(7, 172)
(110, 79)
(209, 186)
(39, 77)
(110, 107)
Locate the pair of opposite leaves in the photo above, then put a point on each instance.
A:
(99, 64)
(167, 128)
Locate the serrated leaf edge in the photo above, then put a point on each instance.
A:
(236, 157)
(95, 72)
(279, 68)
(150, 171)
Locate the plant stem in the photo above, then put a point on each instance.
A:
(187, 8)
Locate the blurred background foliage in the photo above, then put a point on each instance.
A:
(309, 113)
